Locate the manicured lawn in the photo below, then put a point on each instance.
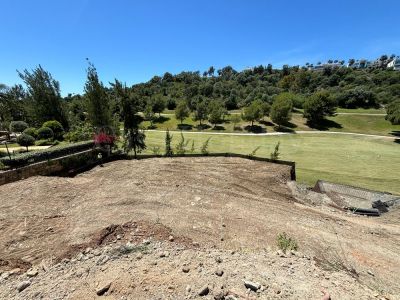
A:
(9, 145)
(368, 124)
(362, 110)
(360, 161)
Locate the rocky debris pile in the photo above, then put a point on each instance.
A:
(159, 270)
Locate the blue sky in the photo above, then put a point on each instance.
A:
(135, 40)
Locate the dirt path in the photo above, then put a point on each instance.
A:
(212, 206)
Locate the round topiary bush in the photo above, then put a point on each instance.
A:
(18, 126)
(58, 129)
(25, 140)
(30, 131)
(45, 133)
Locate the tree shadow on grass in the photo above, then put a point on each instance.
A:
(283, 129)
(266, 123)
(161, 119)
(237, 128)
(395, 133)
(255, 129)
(184, 126)
(218, 127)
(397, 141)
(202, 126)
(324, 124)
(152, 127)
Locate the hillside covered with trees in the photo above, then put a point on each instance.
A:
(209, 95)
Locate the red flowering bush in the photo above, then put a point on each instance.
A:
(103, 138)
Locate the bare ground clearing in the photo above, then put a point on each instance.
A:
(211, 206)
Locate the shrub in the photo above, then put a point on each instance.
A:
(31, 131)
(80, 133)
(58, 129)
(25, 140)
(18, 126)
(192, 148)
(46, 142)
(45, 133)
(253, 153)
(181, 147)
(156, 150)
(103, 138)
(286, 243)
(204, 147)
(168, 148)
(275, 155)
(50, 153)
(393, 112)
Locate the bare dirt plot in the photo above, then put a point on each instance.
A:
(215, 203)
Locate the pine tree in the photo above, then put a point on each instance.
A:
(168, 148)
(98, 105)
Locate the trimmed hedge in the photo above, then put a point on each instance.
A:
(31, 131)
(41, 155)
(45, 133)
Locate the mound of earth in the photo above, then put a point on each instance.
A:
(177, 228)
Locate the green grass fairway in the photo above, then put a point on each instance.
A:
(368, 124)
(360, 161)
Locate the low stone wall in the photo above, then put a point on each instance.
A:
(41, 168)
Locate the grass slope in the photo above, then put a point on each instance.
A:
(368, 124)
(360, 161)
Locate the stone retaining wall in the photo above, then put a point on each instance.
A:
(41, 168)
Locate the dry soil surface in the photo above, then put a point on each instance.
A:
(177, 228)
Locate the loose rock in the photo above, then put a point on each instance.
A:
(103, 289)
(23, 285)
(32, 273)
(219, 272)
(204, 291)
(254, 286)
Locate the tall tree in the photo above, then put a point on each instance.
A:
(211, 71)
(159, 105)
(318, 106)
(98, 101)
(281, 109)
(134, 138)
(253, 112)
(216, 112)
(44, 93)
(181, 111)
(201, 111)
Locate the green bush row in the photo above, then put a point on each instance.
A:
(42, 155)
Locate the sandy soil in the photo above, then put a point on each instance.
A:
(211, 206)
